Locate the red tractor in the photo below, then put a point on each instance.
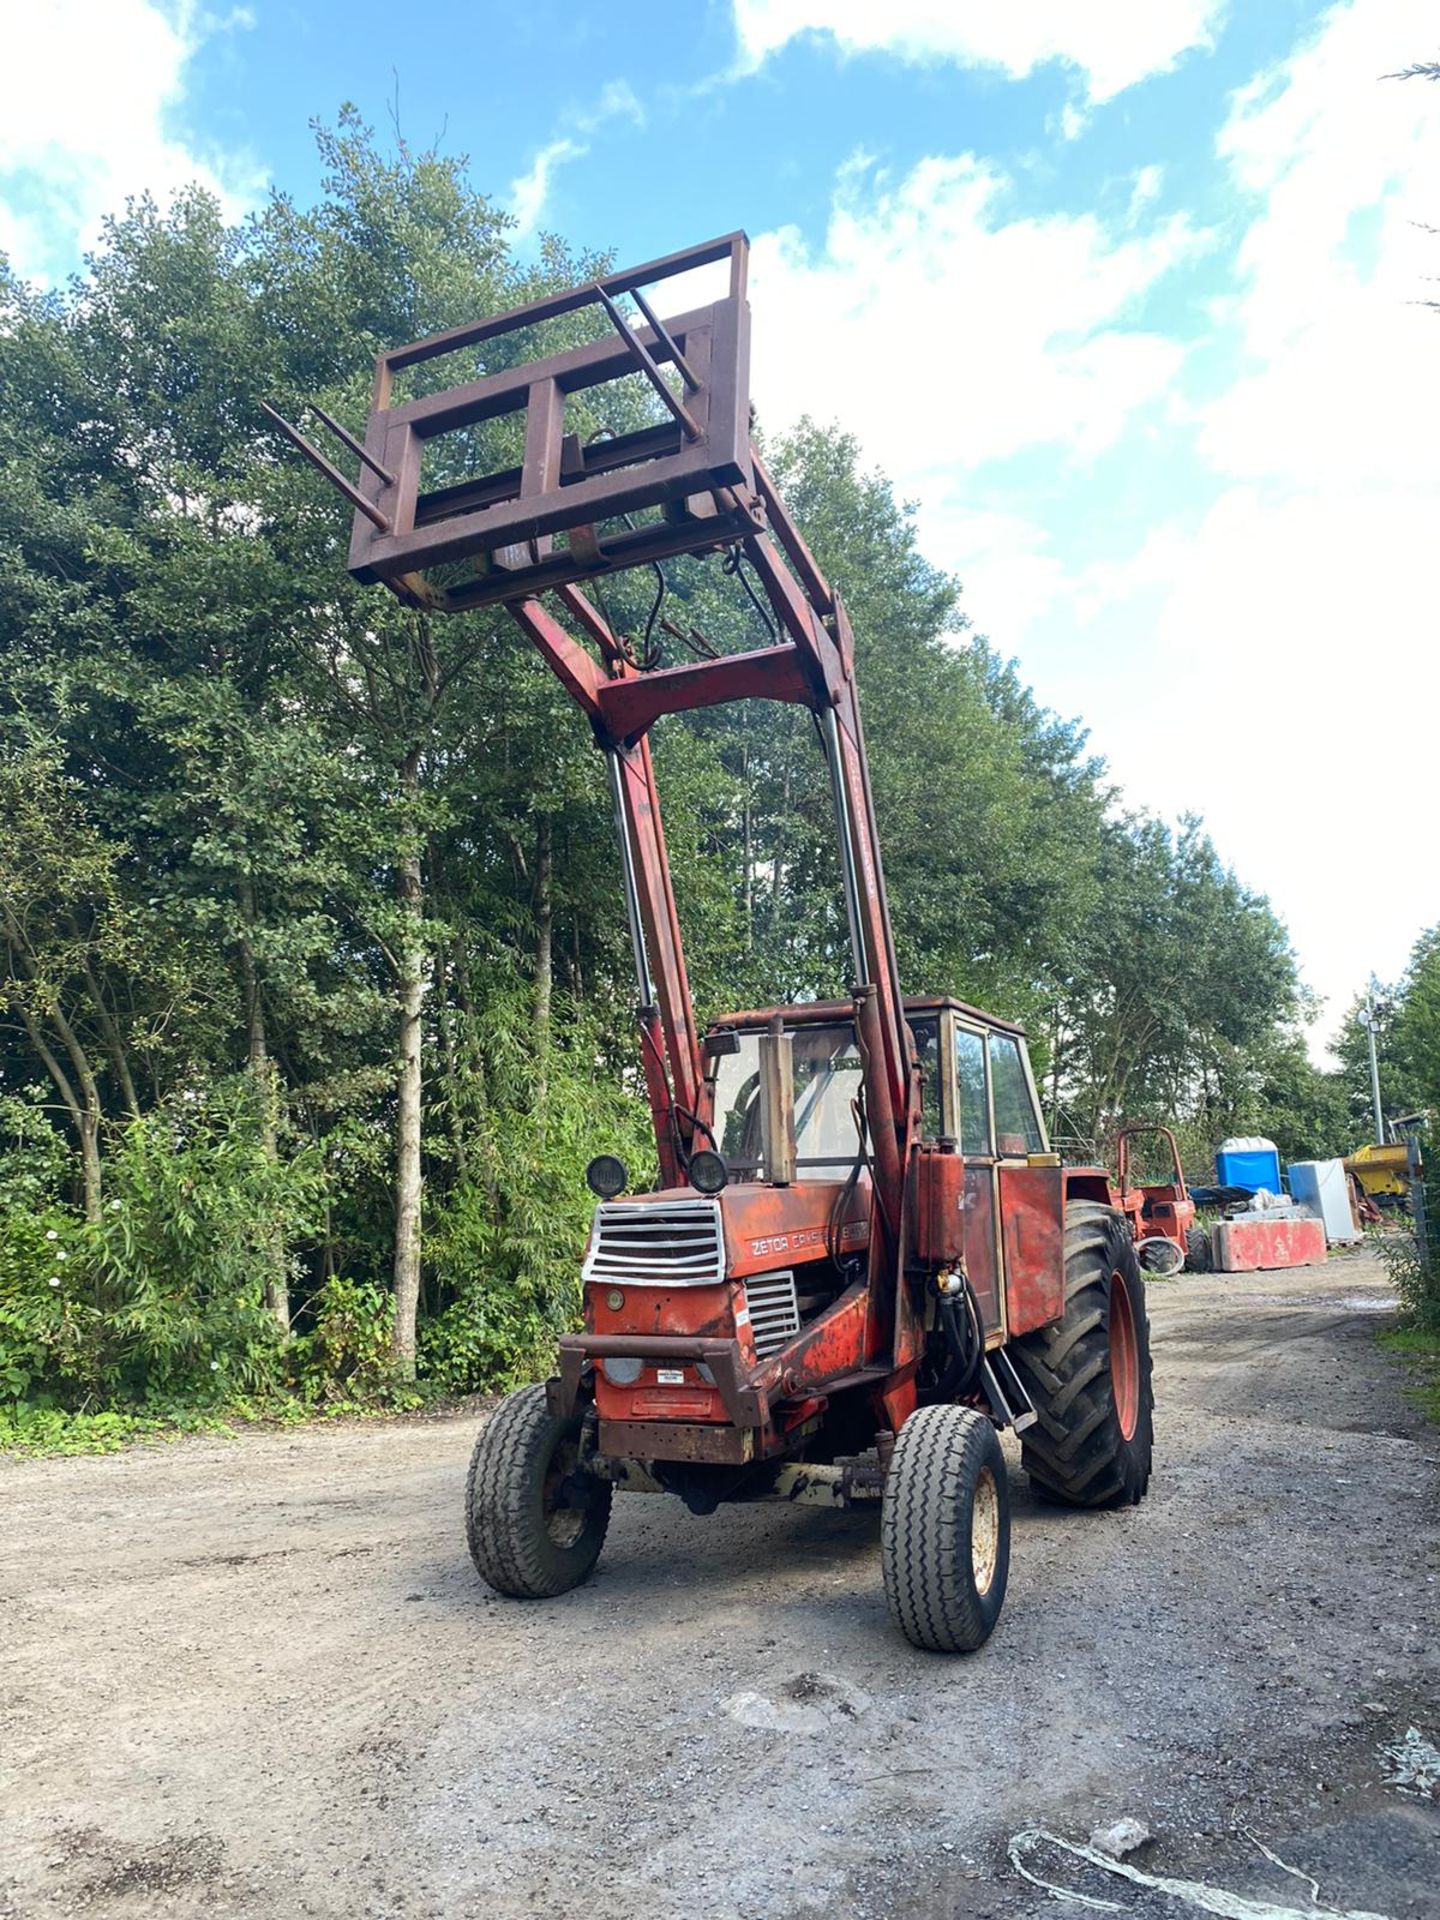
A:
(1161, 1213)
(861, 1261)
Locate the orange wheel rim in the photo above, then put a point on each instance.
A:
(1124, 1357)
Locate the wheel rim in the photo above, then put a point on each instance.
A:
(984, 1530)
(1124, 1357)
(564, 1524)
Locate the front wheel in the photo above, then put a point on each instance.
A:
(534, 1521)
(945, 1529)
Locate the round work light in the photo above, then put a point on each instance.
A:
(607, 1175)
(708, 1172)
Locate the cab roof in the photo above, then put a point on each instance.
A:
(817, 1012)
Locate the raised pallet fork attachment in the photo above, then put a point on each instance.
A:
(567, 514)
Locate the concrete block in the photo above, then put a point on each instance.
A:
(1247, 1246)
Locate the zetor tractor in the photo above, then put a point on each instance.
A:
(861, 1262)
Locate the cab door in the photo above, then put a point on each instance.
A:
(1030, 1192)
(976, 1130)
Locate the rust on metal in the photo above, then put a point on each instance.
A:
(678, 1440)
(642, 358)
(1032, 1225)
(332, 473)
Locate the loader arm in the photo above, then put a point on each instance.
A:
(567, 513)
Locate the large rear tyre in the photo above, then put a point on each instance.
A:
(1088, 1375)
(534, 1522)
(945, 1529)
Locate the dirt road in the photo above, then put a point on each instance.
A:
(259, 1678)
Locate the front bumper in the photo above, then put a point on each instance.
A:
(746, 1406)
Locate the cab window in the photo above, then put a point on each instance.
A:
(974, 1106)
(1017, 1126)
(925, 1032)
(827, 1085)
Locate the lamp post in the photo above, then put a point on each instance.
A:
(1370, 1021)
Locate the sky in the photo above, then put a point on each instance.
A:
(1127, 296)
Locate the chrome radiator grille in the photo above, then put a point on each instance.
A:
(660, 1243)
(774, 1311)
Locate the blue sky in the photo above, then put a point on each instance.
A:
(1150, 267)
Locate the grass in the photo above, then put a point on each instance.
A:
(1419, 1347)
(37, 1433)
(41, 1432)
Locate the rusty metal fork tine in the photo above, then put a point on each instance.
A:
(332, 473)
(346, 438)
(662, 334)
(640, 354)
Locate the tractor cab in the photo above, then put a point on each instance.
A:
(977, 1090)
(787, 1099)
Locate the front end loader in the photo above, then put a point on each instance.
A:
(861, 1262)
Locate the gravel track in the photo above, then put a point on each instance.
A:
(258, 1677)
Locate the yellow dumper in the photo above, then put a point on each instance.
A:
(1381, 1170)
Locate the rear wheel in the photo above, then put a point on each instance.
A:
(945, 1529)
(1088, 1375)
(534, 1522)
(1198, 1258)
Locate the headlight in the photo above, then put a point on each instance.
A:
(621, 1373)
(708, 1172)
(607, 1175)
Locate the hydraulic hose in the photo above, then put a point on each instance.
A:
(960, 1323)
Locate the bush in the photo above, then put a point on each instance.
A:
(53, 1331)
(346, 1356)
(160, 1303)
(504, 1244)
(1416, 1279)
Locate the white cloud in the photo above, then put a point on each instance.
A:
(90, 109)
(1294, 627)
(530, 191)
(1149, 182)
(1011, 576)
(1280, 679)
(950, 333)
(1343, 169)
(1112, 43)
(1262, 650)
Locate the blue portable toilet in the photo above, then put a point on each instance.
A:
(1250, 1163)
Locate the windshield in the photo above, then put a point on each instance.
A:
(827, 1081)
(827, 1088)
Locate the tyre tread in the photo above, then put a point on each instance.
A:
(939, 1451)
(1075, 1453)
(510, 1552)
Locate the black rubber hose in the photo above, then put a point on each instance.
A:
(965, 1341)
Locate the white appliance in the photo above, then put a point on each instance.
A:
(1323, 1188)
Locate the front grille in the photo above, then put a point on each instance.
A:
(669, 1243)
(774, 1311)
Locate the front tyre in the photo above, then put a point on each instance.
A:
(534, 1522)
(945, 1529)
(1088, 1374)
